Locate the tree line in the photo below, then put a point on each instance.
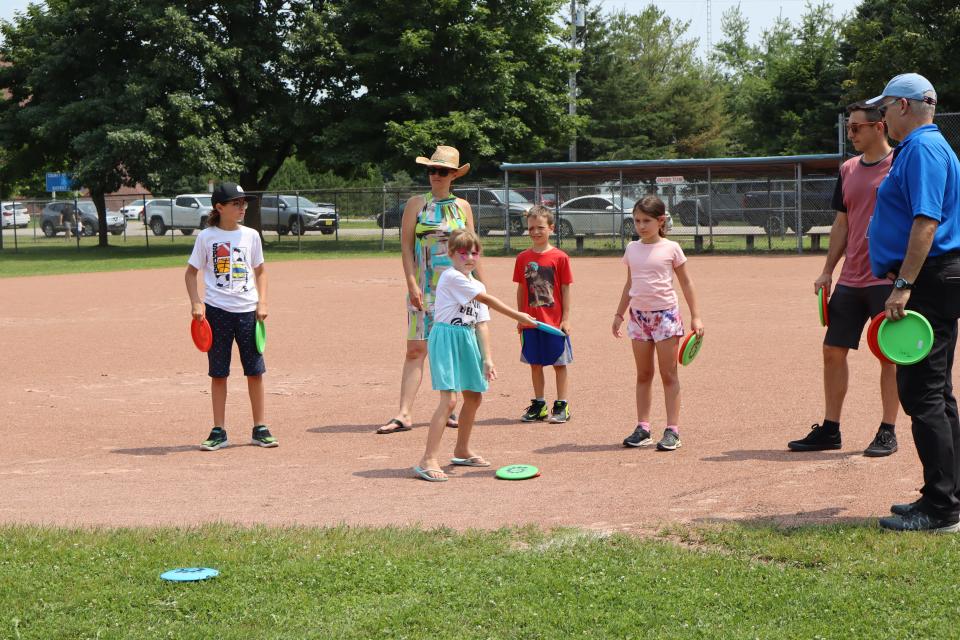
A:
(168, 95)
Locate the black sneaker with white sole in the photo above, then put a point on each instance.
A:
(639, 438)
(263, 438)
(817, 440)
(884, 443)
(917, 520)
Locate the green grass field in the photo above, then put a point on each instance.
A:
(46, 256)
(749, 581)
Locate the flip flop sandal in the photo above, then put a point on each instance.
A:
(424, 474)
(452, 421)
(399, 427)
(475, 461)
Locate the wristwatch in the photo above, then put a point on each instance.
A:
(901, 284)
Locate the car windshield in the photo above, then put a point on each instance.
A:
(292, 202)
(515, 196)
(87, 207)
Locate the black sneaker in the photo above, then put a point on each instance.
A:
(263, 438)
(639, 438)
(884, 443)
(904, 509)
(560, 412)
(669, 441)
(536, 411)
(216, 440)
(816, 440)
(917, 520)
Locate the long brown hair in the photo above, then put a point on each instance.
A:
(653, 207)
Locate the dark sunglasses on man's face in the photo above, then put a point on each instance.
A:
(437, 171)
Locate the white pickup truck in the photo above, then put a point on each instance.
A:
(185, 212)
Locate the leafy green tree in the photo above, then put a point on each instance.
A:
(645, 93)
(486, 76)
(887, 37)
(94, 91)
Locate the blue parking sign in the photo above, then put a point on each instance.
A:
(59, 182)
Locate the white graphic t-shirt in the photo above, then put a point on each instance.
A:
(227, 260)
(456, 302)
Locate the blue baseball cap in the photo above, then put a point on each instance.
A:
(907, 85)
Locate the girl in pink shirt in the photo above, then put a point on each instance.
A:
(655, 324)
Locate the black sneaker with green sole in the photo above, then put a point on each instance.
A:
(216, 440)
(263, 438)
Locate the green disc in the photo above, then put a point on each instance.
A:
(691, 348)
(821, 307)
(906, 341)
(261, 336)
(517, 472)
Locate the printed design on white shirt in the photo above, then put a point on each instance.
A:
(468, 314)
(231, 267)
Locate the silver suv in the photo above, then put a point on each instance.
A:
(59, 215)
(296, 214)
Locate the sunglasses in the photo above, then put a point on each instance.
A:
(883, 108)
(468, 254)
(854, 127)
(437, 171)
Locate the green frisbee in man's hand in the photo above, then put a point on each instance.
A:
(822, 305)
(906, 341)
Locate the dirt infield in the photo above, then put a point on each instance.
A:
(105, 400)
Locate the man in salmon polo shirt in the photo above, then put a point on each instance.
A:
(859, 295)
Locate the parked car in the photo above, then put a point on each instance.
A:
(133, 211)
(296, 214)
(489, 207)
(14, 214)
(187, 213)
(51, 218)
(599, 213)
(390, 219)
(547, 198)
(774, 209)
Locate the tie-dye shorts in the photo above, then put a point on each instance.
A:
(655, 326)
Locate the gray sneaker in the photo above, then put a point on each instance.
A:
(639, 438)
(669, 441)
(917, 520)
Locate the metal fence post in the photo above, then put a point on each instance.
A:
(383, 218)
(799, 207)
(506, 206)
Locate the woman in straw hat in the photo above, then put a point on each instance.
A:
(427, 223)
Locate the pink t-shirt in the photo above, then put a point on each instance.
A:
(651, 274)
(856, 195)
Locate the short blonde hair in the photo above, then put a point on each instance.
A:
(540, 211)
(463, 240)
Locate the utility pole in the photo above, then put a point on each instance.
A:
(709, 29)
(576, 20)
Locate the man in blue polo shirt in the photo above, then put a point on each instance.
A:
(915, 240)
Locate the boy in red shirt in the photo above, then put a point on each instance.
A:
(543, 278)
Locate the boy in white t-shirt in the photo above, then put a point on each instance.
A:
(231, 259)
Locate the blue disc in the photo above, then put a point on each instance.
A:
(189, 574)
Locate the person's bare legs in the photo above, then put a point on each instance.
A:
(438, 423)
(667, 361)
(539, 383)
(643, 355)
(218, 396)
(255, 387)
(888, 392)
(468, 415)
(836, 375)
(410, 380)
(561, 373)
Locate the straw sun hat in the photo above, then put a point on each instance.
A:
(445, 158)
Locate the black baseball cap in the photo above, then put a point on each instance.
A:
(227, 191)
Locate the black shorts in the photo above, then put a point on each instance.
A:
(227, 327)
(850, 308)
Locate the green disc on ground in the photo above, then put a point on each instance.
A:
(517, 472)
(906, 341)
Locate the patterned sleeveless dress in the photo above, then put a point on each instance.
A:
(435, 222)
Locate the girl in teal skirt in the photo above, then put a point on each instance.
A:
(459, 352)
